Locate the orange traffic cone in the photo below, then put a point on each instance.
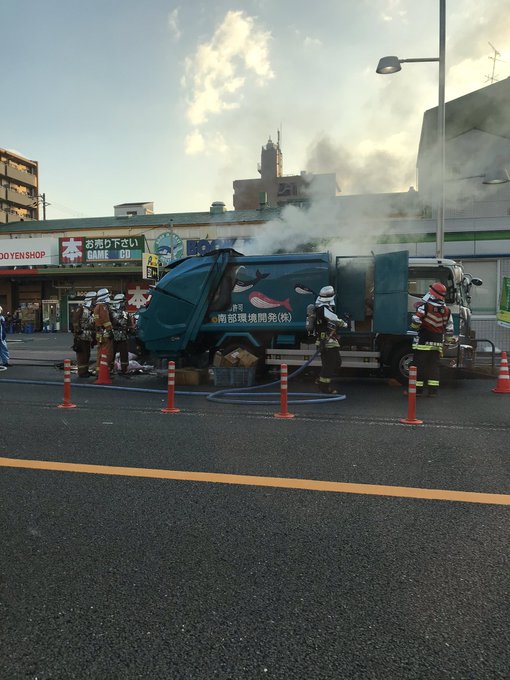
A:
(103, 377)
(503, 381)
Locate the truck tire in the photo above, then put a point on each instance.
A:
(401, 359)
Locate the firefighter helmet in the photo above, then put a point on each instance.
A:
(326, 296)
(103, 295)
(89, 299)
(118, 300)
(437, 291)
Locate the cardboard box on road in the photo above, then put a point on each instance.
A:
(247, 359)
(239, 357)
(231, 359)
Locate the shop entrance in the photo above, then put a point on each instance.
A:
(50, 316)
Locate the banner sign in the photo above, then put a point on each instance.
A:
(150, 267)
(19, 252)
(136, 296)
(203, 246)
(82, 249)
(503, 315)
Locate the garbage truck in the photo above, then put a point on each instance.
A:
(224, 300)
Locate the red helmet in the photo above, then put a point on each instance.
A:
(438, 291)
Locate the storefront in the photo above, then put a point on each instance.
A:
(43, 279)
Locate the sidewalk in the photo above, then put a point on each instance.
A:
(44, 346)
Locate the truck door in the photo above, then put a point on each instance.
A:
(180, 301)
(353, 283)
(390, 293)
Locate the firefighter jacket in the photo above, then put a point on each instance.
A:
(83, 324)
(433, 321)
(121, 324)
(327, 325)
(102, 322)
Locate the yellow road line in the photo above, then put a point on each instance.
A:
(277, 482)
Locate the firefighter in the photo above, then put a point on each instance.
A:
(121, 322)
(103, 326)
(84, 334)
(327, 325)
(434, 324)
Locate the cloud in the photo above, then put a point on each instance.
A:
(198, 143)
(388, 10)
(310, 43)
(220, 69)
(173, 24)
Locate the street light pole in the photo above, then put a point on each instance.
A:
(441, 131)
(392, 65)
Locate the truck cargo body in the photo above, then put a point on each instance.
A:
(225, 299)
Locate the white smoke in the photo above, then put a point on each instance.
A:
(334, 225)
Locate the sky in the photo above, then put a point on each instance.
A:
(125, 101)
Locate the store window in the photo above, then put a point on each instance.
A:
(484, 298)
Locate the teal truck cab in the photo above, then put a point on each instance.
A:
(225, 300)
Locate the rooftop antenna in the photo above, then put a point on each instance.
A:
(493, 77)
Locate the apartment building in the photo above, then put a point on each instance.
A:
(19, 188)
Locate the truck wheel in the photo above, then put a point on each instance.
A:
(401, 359)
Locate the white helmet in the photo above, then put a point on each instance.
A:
(326, 296)
(103, 295)
(118, 300)
(89, 299)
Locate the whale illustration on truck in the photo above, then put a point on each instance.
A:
(224, 300)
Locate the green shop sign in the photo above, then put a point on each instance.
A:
(503, 315)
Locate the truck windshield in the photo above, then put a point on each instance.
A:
(420, 281)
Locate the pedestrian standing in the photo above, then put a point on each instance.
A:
(103, 326)
(327, 325)
(84, 334)
(4, 352)
(434, 324)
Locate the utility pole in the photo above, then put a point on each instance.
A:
(43, 196)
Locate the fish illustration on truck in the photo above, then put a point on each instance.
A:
(224, 300)
(262, 301)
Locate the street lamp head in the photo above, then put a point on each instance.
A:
(388, 65)
(496, 176)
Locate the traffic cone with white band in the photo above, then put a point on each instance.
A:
(411, 401)
(170, 408)
(104, 370)
(503, 381)
(67, 386)
(284, 410)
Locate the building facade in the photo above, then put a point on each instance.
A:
(19, 188)
(276, 190)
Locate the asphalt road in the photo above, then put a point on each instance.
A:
(108, 575)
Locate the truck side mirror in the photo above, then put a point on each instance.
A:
(476, 282)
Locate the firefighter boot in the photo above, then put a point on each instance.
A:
(433, 392)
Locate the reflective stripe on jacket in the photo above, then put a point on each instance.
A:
(432, 321)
